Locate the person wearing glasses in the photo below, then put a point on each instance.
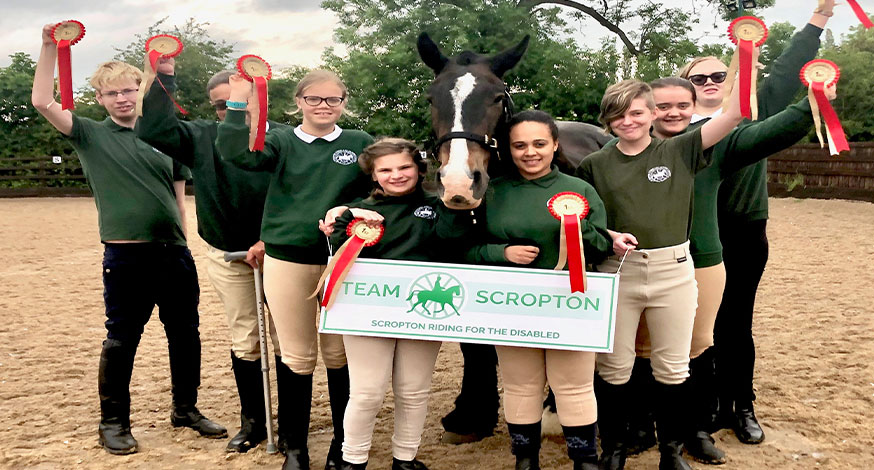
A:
(312, 168)
(145, 259)
(743, 213)
(229, 201)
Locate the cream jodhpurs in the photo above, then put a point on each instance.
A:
(373, 362)
(570, 374)
(234, 282)
(660, 284)
(287, 286)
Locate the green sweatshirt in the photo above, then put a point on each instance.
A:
(743, 195)
(517, 214)
(418, 227)
(306, 180)
(229, 200)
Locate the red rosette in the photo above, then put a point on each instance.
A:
(748, 32)
(360, 235)
(164, 44)
(65, 34)
(569, 207)
(734, 25)
(812, 69)
(158, 46)
(255, 69)
(817, 75)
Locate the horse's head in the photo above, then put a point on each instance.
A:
(468, 99)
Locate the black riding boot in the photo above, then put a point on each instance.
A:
(672, 425)
(295, 400)
(641, 427)
(702, 408)
(581, 446)
(338, 394)
(353, 466)
(250, 387)
(113, 387)
(407, 464)
(525, 445)
(612, 423)
(185, 378)
(476, 408)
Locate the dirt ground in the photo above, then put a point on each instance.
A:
(814, 331)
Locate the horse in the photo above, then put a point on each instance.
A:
(439, 296)
(470, 109)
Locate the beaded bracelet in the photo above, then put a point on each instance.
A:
(238, 105)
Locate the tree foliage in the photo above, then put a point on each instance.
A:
(854, 55)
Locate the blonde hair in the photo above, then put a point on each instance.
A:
(618, 97)
(114, 71)
(687, 69)
(319, 76)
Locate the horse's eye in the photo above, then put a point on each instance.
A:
(499, 98)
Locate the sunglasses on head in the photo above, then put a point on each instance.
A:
(220, 105)
(700, 79)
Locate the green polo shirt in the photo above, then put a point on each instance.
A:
(650, 194)
(229, 199)
(306, 179)
(132, 183)
(517, 214)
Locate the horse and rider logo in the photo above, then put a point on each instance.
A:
(436, 296)
(425, 212)
(345, 157)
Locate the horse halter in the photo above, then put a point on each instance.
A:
(488, 143)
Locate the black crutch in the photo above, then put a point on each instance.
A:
(262, 339)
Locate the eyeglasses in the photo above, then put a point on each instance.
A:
(333, 101)
(700, 79)
(220, 105)
(114, 94)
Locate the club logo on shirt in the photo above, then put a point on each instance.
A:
(658, 174)
(425, 212)
(345, 157)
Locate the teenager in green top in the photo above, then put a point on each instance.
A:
(413, 220)
(230, 202)
(520, 231)
(647, 187)
(313, 168)
(145, 260)
(743, 214)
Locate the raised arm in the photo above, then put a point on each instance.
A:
(43, 94)
(159, 125)
(233, 134)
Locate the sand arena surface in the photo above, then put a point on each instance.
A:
(814, 330)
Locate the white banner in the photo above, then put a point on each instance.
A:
(475, 304)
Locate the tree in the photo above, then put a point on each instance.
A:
(854, 55)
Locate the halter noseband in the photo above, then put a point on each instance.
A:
(488, 143)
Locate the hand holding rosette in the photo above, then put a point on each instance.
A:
(65, 34)
(818, 75)
(361, 233)
(157, 47)
(257, 70)
(569, 208)
(748, 32)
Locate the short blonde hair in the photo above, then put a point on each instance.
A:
(618, 97)
(319, 76)
(687, 69)
(114, 71)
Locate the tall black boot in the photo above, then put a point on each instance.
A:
(612, 423)
(525, 445)
(353, 466)
(641, 427)
(476, 408)
(581, 446)
(671, 425)
(113, 387)
(295, 401)
(250, 387)
(338, 394)
(702, 409)
(185, 377)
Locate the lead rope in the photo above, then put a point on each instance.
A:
(623, 260)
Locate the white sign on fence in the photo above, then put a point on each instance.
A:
(475, 304)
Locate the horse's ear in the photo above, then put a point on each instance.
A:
(508, 59)
(430, 53)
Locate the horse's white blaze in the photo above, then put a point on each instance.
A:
(455, 178)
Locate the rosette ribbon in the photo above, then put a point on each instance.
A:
(569, 208)
(748, 32)
(162, 45)
(860, 14)
(817, 75)
(360, 235)
(65, 34)
(257, 70)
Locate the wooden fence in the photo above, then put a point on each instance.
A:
(806, 170)
(42, 176)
